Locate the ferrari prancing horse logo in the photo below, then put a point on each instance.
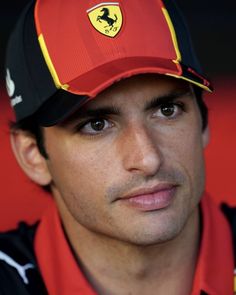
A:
(106, 18)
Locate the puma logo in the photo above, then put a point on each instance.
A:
(21, 269)
(10, 84)
(11, 90)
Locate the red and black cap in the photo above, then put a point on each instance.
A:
(63, 53)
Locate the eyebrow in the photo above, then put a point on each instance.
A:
(113, 110)
(155, 102)
(99, 112)
(167, 98)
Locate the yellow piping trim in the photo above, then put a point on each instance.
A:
(191, 81)
(173, 35)
(50, 64)
(178, 54)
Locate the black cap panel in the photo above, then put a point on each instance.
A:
(183, 36)
(28, 80)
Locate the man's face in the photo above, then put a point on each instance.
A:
(129, 164)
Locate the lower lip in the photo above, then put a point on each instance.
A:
(151, 202)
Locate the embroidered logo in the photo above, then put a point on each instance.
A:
(10, 84)
(106, 18)
(21, 269)
(11, 89)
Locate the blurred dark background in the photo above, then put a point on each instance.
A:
(212, 24)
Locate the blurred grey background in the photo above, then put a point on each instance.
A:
(212, 24)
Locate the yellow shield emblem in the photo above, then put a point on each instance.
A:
(106, 18)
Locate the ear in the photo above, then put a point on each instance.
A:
(205, 137)
(29, 158)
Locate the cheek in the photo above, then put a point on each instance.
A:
(186, 151)
(81, 178)
(82, 169)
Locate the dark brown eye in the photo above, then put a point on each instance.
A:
(168, 110)
(95, 126)
(98, 124)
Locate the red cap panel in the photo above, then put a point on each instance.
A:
(79, 52)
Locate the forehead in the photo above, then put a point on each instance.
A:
(144, 87)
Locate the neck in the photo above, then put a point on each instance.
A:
(116, 267)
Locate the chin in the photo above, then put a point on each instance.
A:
(154, 236)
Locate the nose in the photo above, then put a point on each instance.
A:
(140, 151)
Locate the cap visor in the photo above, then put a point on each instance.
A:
(100, 78)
